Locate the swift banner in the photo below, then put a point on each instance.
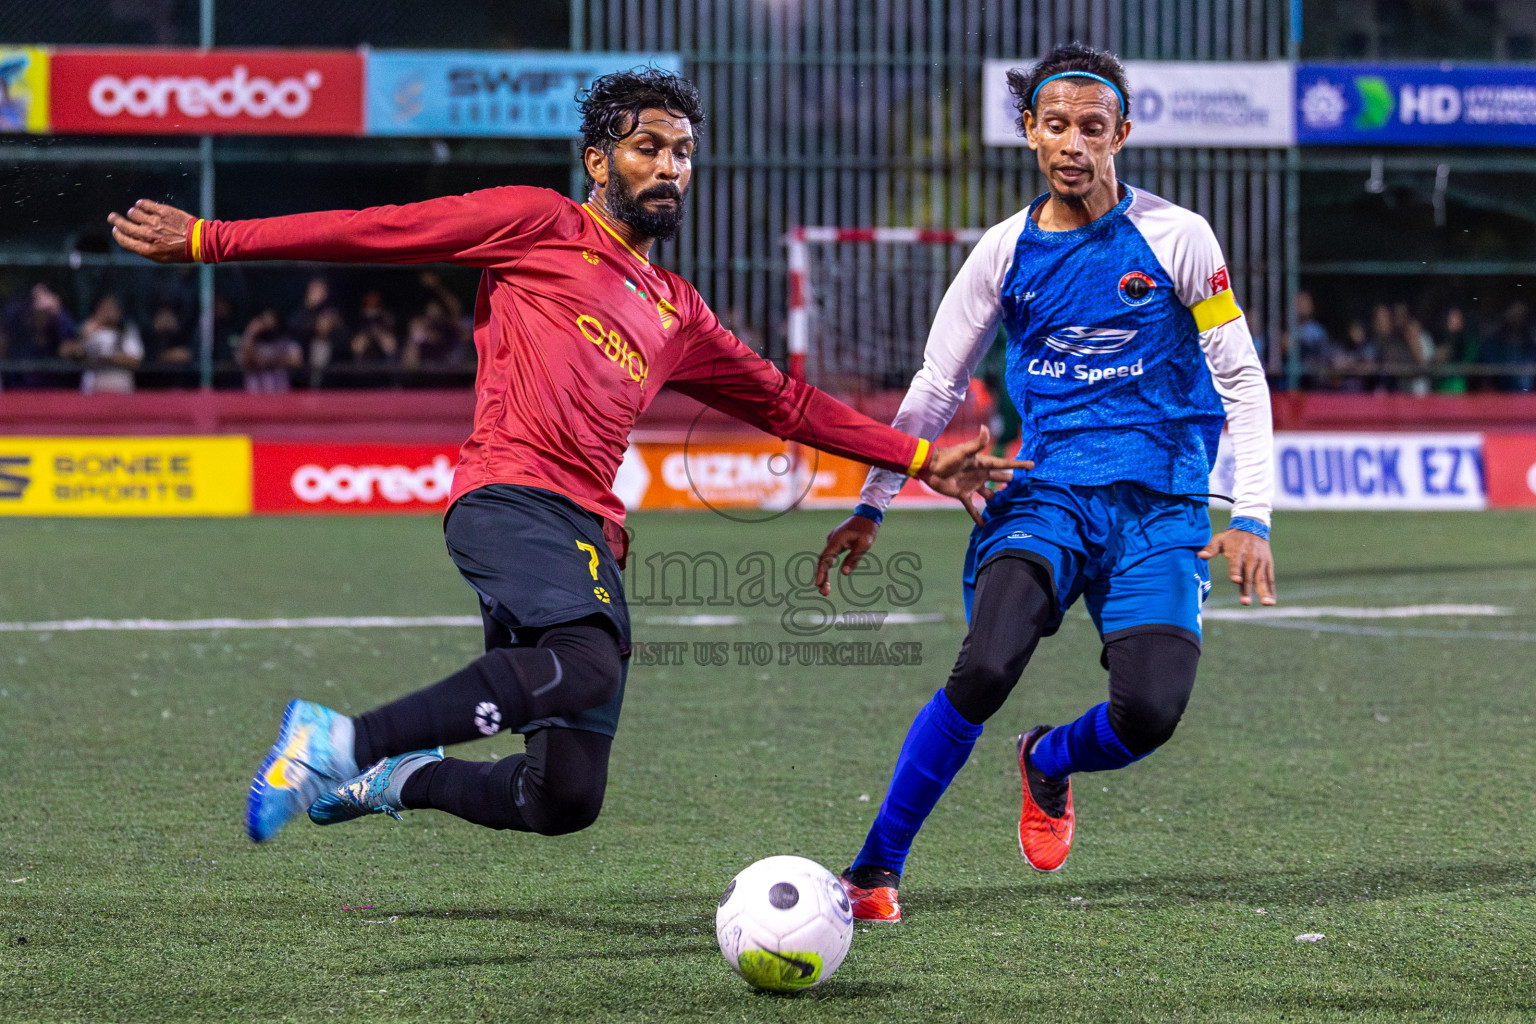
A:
(481, 92)
(23, 90)
(1370, 471)
(1415, 105)
(212, 92)
(1175, 103)
(125, 476)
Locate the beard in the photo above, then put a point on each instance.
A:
(628, 207)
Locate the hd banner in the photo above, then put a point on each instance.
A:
(125, 476)
(1415, 105)
(206, 92)
(481, 92)
(1175, 103)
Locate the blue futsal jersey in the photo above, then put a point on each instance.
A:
(1126, 353)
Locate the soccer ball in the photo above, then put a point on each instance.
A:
(784, 924)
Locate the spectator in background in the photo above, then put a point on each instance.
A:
(110, 347)
(267, 354)
(1415, 348)
(1392, 353)
(35, 328)
(169, 342)
(226, 328)
(1510, 344)
(1314, 348)
(375, 340)
(1359, 363)
(438, 335)
(1459, 346)
(317, 328)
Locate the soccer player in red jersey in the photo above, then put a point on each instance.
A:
(575, 330)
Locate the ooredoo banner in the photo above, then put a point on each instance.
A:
(1511, 461)
(212, 92)
(351, 478)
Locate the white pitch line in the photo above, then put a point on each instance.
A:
(1350, 629)
(179, 625)
(909, 618)
(695, 620)
(1406, 611)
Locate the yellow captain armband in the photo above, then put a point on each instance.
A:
(919, 457)
(1219, 309)
(197, 240)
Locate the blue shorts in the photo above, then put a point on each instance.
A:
(537, 559)
(1131, 554)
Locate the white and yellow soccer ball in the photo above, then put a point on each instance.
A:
(784, 924)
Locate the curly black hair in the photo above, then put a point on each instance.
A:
(611, 106)
(1071, 57)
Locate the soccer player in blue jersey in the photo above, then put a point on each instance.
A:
(1126, 354)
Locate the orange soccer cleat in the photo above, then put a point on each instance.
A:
(872, 901)
(1045, 838)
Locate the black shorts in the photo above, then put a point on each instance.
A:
(537, 559)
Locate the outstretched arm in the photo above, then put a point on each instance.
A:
(492, 227)
(721, 372)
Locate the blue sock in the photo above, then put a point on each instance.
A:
(1086, 745)
(937, 746)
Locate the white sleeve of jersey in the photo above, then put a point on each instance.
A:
(1187, 248)
(963, 328)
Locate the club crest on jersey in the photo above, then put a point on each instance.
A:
(1136, 288)
(667, 312)
(1089, 341)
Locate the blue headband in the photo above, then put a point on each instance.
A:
(1080, 74)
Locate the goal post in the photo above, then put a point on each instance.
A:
(861, 299)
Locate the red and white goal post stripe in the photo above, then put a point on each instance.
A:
(799, 242)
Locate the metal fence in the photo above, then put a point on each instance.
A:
(868, 113)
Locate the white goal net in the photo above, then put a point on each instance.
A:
(861, 300)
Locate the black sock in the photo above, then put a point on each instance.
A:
(574, 667)
(477, 791)
(489, 694)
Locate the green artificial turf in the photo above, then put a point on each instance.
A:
(1370, 780)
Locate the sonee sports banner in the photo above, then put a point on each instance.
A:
(125, 476)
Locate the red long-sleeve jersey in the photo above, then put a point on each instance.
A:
(575, 332)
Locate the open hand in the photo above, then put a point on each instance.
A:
(1250, 564)
(856, 535)
(963, 472)
(154, 230)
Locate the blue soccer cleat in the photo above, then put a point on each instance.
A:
(376, 791)
(313, 751)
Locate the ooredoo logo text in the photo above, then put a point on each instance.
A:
(397, 485)
(238, 93)
(260, 92)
